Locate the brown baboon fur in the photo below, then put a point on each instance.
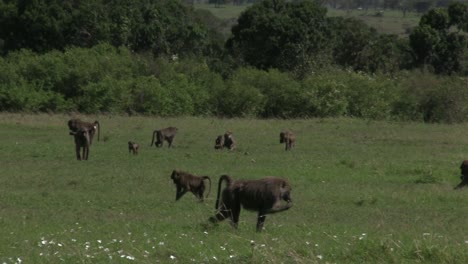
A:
(229, 141)
(75, 124)
(219, 142)
(186, 182)
(167, 134)
(464, 175)
(133, 147)
(263, 196)
(82, 140)
(288, 138)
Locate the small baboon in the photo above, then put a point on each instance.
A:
(229, 141)
(464, 175)
(133, 147)
(288, 138)
(75, 124)
(186, 182)
(219, 142)
(167, 134)
(82, 140)
(263, 195)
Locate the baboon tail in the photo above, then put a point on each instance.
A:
(228, 180)
(209, 190)
(154, 135)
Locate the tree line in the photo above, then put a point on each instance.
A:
(282, 59)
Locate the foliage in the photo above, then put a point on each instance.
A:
(435, 44)
(163, 27)
(279, 34)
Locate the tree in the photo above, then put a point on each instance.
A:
(435, 44)
(280, 34)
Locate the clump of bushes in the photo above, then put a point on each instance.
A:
(109, 79)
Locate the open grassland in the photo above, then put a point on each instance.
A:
(364, 192)
(384, 21)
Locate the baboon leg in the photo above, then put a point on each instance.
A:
(200, 192)
(180, 192)
(77, 148)
(260, 221)
(170, 143)
(85, 153)
(235, 212)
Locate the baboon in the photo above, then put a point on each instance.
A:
(464, 175)
(167, 134)
(288, 138)
(133, 147)
(186, 182)
(82, 140)
(75, 124)
(262, 195)
(219, 142)
(229, 141)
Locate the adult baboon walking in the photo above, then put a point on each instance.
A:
(167, 134)
(186, 182)
(288, 138)
(263, 195)
(133, 147)
(82, 140)
(75, 124)
(229, 141)
(464, 175)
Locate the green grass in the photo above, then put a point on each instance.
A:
(390, 21)
(364, 192)
(384, 21)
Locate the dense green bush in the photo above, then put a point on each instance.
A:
(108, 79)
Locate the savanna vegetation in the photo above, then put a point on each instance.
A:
(363, 192)
(282, 59)
(372, 172)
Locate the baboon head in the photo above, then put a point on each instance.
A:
(175, 176)
(282, 137)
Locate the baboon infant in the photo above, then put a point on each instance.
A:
(464, 175)
(288, 138)
(186, 182)
(133, 147)
(263, 195)
(219, 142)
(166, 134)
(229, 141)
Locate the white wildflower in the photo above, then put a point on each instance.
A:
(131, 257)
(307, 242)
(172, 257)
(161, 243)
(222, 248)
(206, 233)
(214, 257)
(319, 256)
(99, 241)
(426, 234)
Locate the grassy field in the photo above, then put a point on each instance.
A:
(387, 21)
(363, 192)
